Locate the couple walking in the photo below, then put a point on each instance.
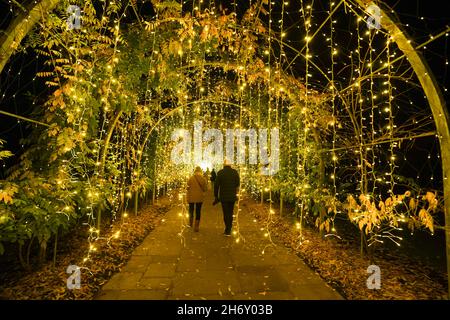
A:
(226, 184)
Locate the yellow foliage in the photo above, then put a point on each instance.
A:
(412, 204)
(432, 201)
(7, 193)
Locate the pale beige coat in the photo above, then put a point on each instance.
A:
(196, 188)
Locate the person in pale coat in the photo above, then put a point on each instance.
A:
(196, 188)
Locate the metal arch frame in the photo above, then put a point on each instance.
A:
(20, 26)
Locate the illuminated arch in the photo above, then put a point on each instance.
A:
(24, 22)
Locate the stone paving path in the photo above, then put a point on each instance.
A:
(175, 263)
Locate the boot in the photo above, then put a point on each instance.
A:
(191, 220)
(197, 224)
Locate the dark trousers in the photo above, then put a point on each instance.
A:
(198, 208)
(227, 208)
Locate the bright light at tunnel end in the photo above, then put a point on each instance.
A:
(205, 165)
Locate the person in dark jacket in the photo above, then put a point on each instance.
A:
(225, 191)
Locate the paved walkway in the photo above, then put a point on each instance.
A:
(175, 263)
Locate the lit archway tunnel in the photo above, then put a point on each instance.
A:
(125, 80)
